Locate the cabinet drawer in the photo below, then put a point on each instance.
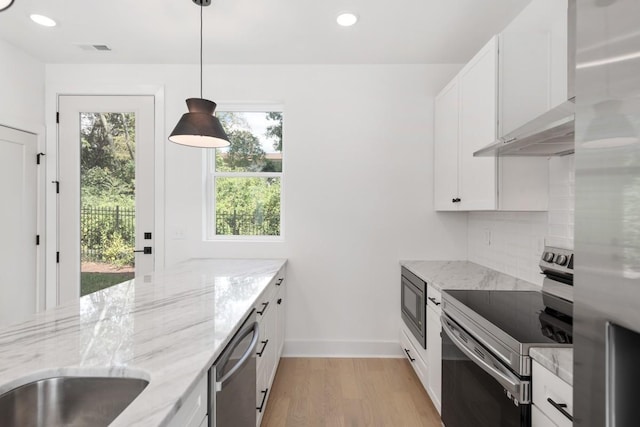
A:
(414, 358)
(194, 408)
(548, 386)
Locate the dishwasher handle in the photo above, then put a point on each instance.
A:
(255, 328)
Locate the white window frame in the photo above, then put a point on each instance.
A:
(210, 175)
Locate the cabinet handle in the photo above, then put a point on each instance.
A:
(261, 312)
(264, 398)
(560, 407)
(433, 300)
(456, 200)
(279, 282)
(263, 347)
(279, 301)
(411, 359)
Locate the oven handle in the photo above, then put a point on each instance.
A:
(512, 384)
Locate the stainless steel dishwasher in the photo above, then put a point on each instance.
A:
(232, 379)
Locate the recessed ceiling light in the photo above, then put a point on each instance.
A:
(347, 19)
(4, 4)
(43, 20)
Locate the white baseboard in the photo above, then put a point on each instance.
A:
(306, 348)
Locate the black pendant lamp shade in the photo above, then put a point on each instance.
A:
(199, 127)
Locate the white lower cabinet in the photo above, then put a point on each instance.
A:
(434, 345)
(414, 356)
(539, 419)
(552, 399)
(193, 412)
(271, 318)
(427, 362)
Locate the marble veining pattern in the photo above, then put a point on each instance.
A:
(557, 360)
(465, 275)
(168, 330)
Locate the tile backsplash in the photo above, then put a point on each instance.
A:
(512, 242)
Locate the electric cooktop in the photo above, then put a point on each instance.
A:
(529, 317)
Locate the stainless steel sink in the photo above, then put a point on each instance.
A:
(68, 401)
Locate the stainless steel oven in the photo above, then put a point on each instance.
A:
(413, 305)
(487, 334)
(477, 388)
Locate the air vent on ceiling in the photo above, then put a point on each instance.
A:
(93, 47)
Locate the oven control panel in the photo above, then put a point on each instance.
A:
(557, 260)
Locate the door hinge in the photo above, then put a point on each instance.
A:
(37, 239)
(58, 257)
(57, 117)
(57, 183)
(38, 158)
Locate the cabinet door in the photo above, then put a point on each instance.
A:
(445, 166)
(538, 419)
(434, 354)
(533, 63)
(478, 121)
(194, 407)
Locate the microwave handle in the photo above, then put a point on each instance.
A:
(510, 382)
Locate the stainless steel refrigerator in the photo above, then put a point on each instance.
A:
(607, 240)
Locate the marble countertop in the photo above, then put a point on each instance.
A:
(167, 328)
(465, 275)
(557, 360)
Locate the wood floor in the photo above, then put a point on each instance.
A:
(348, 392)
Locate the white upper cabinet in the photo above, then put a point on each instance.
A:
(465, 119)
(533, 63)
(478, 106)
(446, 147)
(518, 75)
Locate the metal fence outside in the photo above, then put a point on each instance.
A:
(99, 228)
(238, 224)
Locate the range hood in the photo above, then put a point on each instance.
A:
(551, 133)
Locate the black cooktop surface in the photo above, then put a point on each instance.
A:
(527, 316)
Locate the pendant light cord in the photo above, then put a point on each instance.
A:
(201, 7)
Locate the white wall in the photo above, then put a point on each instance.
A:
(22, 94)
(21, 89)
(517, 239)
(358, 185)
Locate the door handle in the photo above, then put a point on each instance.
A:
(261, 352)
(265, 305)
(411, 359)
(264, 397)
(561, 408)
(433, 300)
(146, 250)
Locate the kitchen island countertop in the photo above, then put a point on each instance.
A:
(167, 327)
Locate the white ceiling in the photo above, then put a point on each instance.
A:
(258, 31)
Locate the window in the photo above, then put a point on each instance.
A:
(244, 185)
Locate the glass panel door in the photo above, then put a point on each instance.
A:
(106, 160)
(107, 199)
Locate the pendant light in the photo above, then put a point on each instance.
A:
(199, 127)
